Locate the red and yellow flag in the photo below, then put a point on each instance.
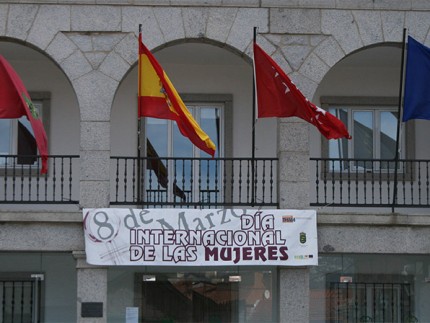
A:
(159, 99)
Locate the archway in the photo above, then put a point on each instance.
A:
(43, 78)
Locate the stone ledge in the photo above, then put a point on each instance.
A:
(81, 261)
(322, 218)
(403, 5)
(59, 217)
(373, 220)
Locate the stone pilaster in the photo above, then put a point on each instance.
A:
(294, 295)
(92, 288)
(294, 194)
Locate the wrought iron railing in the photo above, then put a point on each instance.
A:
(22, 183)
(17, 301)
(194, 182)
(370, 182)
(371, 302)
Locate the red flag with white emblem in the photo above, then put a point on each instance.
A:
(15, 102)
(277, 96)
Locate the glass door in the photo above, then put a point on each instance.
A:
(206, 297)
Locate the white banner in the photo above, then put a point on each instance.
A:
(205, 237)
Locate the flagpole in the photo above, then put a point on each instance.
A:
(253, 126)
(139, 129)
(399, 114)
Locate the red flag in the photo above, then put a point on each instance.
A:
(15, 103)
(277, 96)
(159, 99)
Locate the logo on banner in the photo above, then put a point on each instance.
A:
(302, 237)
(101, 227)
(303, 257)
(288, 219)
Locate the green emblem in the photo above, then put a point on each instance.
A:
(302, 237)
(31, 107)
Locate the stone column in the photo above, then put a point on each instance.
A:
(95, 94)
(91, 291)
(96, 72)
(293, 194)
(95, 138)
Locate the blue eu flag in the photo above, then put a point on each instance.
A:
(417, 82)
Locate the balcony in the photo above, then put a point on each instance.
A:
(158, 182)
(22, 183)
(219, 182)
(370, 183)
(194, 182)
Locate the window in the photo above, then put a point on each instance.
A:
(20, 297)
(369, 288)
(370, 301)
(372, 122)
(17, 142)
(175, 171)
(167, 140)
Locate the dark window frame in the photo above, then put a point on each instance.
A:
(408, 134)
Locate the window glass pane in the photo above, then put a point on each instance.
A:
(182, 146)
(156, 133)
(156, 176)
(338, 148)
(183, 169)
(388, 134)
(5, 130)
(27, 145)
(363, 136)
(374, 131)
(210, 123)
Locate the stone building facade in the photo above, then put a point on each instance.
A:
(91, 50)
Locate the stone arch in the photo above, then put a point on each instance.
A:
(51, 53)
(44, 28)
(62, 32)
(308, 57)
(349, 31)
(49, 85)
(366, 71)
(231, 26)
(40, 26)
(328, 55)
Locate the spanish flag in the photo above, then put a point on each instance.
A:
(159, 99)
